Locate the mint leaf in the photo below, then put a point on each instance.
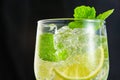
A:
(46, 47)
(105, 15)
(61, 54)
(85, 12)
(82, 12)
(47, 51)
(75, 24)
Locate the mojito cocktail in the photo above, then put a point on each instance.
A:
(71, 53)
(71, 49)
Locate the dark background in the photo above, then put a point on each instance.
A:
(18, 33)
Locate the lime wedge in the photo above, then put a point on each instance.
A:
(83, 70)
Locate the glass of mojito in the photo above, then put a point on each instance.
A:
(71, 49)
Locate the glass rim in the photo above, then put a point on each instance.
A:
(68, 19)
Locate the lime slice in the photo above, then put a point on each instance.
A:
(84, 69)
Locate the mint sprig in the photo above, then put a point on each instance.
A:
(87, 12)
(84, 12)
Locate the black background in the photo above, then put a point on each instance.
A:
(18, 33)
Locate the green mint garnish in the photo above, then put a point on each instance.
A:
(86, 12)
(47, 51)
(105, 15)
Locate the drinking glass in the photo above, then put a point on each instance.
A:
(70, 49)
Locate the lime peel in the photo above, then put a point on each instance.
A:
(91, 75)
